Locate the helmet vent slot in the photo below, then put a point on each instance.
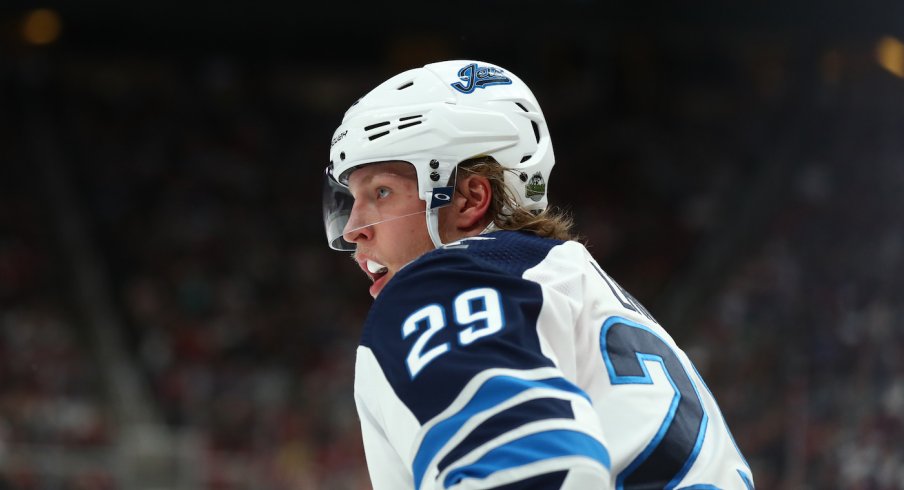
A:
(377, 125)
(525, 158)
(406, 118)
(403, 87)
(378, 135)
(403, 126)
(536, 130)
(521, 106)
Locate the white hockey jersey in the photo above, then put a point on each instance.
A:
(508, 361)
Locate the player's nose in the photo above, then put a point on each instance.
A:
(359, 227)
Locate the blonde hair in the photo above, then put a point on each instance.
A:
(504, 208)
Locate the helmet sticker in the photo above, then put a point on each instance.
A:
(338, 138)
(474, 76)
(442, 196)
(536, 188)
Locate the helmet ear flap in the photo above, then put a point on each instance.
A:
(442, 196)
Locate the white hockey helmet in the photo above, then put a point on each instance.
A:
(436, 117)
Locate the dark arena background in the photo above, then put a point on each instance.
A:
(171, 316)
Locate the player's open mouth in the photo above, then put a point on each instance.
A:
(376, 270)
(379, 274)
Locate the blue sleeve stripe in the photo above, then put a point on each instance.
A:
(746, 479)
(507, 420)
(530, 449)
(494, 391)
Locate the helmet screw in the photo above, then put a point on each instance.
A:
(342, 156)
(434, 164)
(434, 176)
(523, 176)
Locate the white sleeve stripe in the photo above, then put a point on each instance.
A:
(466, 393)
(464, 430)
(554, 449)
(494, 395)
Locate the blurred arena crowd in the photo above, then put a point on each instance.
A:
(750, 198)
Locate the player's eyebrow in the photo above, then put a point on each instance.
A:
(390, 174)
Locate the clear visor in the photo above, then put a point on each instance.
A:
(337, 211)
(337, 208)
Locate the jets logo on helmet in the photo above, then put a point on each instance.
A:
(474, 76)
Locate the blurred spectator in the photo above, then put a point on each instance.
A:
(51, 398)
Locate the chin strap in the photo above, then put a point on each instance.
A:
(433, 226)
(437, 198)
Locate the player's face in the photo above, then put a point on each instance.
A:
(387, 222)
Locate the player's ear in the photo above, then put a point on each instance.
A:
(472, 200)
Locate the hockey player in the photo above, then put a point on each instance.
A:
(497, 353)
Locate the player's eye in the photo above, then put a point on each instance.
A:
(383, 192)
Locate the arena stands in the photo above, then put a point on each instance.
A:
(746, 190)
